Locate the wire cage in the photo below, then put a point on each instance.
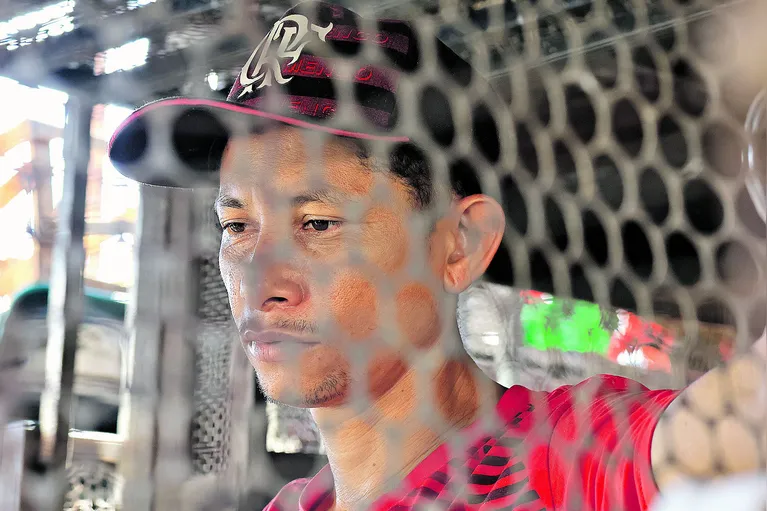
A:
(629, 166)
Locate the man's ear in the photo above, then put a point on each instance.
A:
(477, 234)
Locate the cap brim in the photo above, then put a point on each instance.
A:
(178, 142)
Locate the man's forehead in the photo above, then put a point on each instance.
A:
(290, 159)
(286, 147)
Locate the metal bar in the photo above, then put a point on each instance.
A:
(173, 469)
(155, 416)
(223, 485)
(12, 440)
(137, 419)
(41, 174)
(243, 388)
(95, 446)
(66, 299)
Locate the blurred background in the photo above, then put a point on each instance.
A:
(159, 395)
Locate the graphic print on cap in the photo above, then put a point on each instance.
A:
(306, 57)
(292, 34)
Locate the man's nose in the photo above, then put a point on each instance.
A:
(273, 287)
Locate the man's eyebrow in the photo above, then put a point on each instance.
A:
(322, 196)
(227, 201)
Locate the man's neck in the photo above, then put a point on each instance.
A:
(370, 452)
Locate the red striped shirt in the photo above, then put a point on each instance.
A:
(584, 447)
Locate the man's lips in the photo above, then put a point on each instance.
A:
(275, 346)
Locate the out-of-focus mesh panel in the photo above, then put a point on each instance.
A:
(214, 306)
(210, 443)
(210, 426)
(93, 486)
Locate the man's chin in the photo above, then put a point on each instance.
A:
(306, 402)
(332, 391)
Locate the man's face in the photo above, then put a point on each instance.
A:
(328, 286)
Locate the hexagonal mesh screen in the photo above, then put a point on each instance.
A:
(559, 189)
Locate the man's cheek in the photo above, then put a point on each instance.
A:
(418, 315)
(384, 240)
(232, 284)
(354, 305)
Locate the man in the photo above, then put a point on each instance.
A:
(344, 247)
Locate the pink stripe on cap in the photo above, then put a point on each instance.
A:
(320, 108)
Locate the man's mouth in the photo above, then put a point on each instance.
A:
(275, 346)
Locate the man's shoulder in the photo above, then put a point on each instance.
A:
(521, 408)
(288, 497)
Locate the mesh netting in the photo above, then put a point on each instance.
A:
(93, 486)
(630, 173)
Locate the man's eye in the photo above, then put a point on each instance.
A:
(320, 225)
(234, 227)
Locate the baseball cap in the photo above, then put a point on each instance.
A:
(323, 68)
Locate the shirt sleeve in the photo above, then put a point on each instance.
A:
(598, 456)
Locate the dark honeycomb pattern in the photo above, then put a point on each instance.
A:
(615, 117)
(614, 152)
